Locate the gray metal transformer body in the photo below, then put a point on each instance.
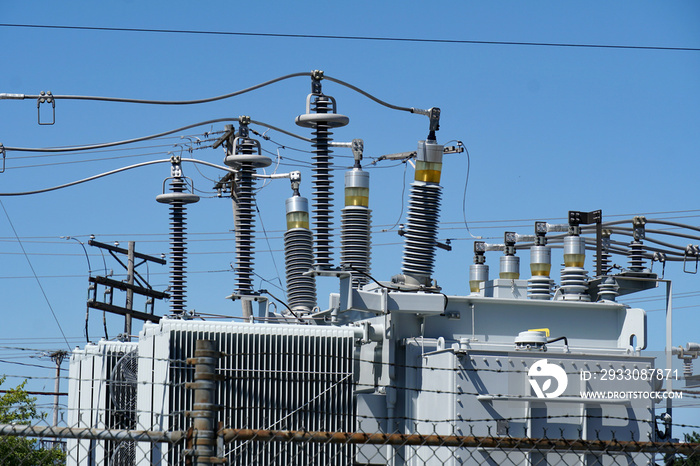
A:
(448, 365)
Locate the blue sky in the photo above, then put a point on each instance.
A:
(549, 129)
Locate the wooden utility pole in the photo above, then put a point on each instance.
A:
(57, 357)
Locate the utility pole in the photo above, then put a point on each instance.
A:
(134, 285)
(57, 357)
(129, 291)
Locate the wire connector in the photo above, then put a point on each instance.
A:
(46, 97)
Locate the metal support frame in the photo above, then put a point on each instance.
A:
(135, 285)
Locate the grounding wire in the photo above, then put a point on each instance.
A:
(116, 143)
(112, 172)
(46, 298)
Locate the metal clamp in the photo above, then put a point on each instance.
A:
(254, 141)
(691, 250)
(188, 181)
(308, 102)
(659, 257)
(46, 97)
(2, 151)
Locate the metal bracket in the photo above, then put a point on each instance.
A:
(2, 151)
(692, 251)
(357, 149)
(434, 118)
(46, 97)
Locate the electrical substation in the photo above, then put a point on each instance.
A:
(513, 354)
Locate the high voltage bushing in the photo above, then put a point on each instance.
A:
(420, 235)
(321, 116)
(355, 227)
(244, 155)
(299, 256)
(574, 279)
(177, 198)
(539, 286)
(478, 271)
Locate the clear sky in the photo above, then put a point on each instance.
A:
(549, 129)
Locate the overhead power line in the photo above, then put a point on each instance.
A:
(358, 38)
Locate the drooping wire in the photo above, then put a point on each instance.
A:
(172, 102)
(117, 143)
(36, 277)
(403, 192)
(464, 198)
(267, 292)
(269, 246)
(112, 172)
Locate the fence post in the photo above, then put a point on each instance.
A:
(204, 409)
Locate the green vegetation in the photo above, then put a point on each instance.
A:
(17, 407)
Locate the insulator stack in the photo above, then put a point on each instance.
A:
(539, 286)
(244, 225)
(607, 290)
(299, 257)
(321, 116)
(687, 368)
(574, 279)
(420, 236)
(604, 260)
(636, 256)
(178, 198)
(355, 227)
(242, 156)
(421, 231)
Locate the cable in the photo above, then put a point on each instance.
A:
(370, 96)
(117, 143)
(288, 133)
(46, 298)
(112, 172)
(267, 240)
(157, 102)
(339, 37)
(403, 192)
(464, 198)
(675, 224)
(284, 304)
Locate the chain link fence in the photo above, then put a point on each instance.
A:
(47, 445)
(206, 407)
